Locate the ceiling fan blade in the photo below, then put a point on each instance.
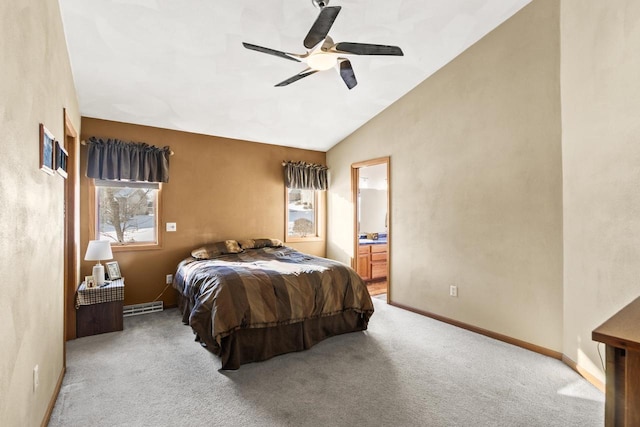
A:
(321, 27)
(367, 49)
(273, 52)
(346, 72)
(297, 77)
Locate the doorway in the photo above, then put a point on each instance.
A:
(71, 230)
(370, 181)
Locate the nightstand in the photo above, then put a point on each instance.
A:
(99, 310)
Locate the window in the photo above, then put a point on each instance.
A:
(127, 212)
(302, 215)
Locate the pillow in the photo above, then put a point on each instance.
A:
(213, 250)
(260, 243)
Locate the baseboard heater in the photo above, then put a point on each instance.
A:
(144, 308)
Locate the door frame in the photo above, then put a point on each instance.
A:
(71, 231)
(355, 179)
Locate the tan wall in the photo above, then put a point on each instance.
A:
(35, 85)
(601, 163)
(476, 184)
(218, 189)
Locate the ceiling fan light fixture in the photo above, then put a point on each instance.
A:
(321, 61)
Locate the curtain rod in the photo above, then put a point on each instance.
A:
(83, 142)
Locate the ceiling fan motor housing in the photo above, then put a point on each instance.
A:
(320, 4)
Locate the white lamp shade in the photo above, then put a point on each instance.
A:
(98, 250)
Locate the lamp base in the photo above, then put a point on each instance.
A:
(98, 274)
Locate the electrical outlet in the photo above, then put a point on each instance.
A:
(169, 279)
(453, 291)
(36, 377)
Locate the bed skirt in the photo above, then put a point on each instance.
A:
(256, 344)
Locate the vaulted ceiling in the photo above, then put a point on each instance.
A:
(181, 64)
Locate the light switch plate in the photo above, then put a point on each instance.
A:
(171, 226)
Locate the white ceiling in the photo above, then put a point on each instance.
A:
(181, 64)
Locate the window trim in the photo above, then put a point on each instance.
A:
(119, 247)
(317, 219)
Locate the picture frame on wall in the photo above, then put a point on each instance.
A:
(113, 270)
(47, 147)
(60, 159)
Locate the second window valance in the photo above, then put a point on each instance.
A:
(306, 176)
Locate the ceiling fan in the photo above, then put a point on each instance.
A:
(322, 53)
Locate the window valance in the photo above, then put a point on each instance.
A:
(132, 161)
(306, 176)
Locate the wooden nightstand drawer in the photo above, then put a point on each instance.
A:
(99, 318)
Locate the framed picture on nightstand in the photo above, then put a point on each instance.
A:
(89, 282)
(113, 270)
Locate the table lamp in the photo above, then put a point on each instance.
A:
(96, 251)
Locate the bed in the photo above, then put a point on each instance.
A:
(251, 300)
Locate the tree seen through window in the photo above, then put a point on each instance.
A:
(127, 215)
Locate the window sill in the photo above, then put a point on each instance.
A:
(303, 239)
(130, 248)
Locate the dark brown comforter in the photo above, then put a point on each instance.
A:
(273, 289)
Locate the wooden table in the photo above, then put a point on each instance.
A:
(621, 334)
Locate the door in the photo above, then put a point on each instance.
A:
(371, 184)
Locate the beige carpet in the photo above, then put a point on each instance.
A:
(406, 370)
